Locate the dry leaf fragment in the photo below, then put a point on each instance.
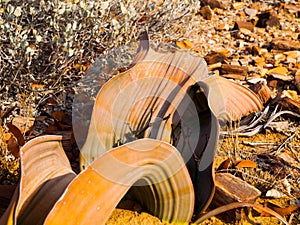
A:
(13, 147)
(58, 115)
(17, 133)
(23, 123)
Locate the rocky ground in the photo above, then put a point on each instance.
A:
(46, 47)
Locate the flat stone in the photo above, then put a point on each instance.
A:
(214, 57)
(282, 77)
(233, 69)
(244, 25)
(230, 189)
(234, 76)
(286, 45)
(292, 56)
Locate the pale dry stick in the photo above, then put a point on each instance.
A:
(254, 144)
(260, 127)
(283, 144)
(293, 151)
(273, 117)
(247, 127)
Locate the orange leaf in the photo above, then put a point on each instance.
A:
(283, 211)
(17, 133)
(37, 86)
(245, 163)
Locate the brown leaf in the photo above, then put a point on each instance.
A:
(245, 164)
(225, 164)
(17, 133)
(7, 112)
(58, 115)
(13, 147)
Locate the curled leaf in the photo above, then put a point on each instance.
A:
(45, 173)
(154, 168)
(231, 101)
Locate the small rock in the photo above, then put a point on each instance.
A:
(292, 56)
(286, 45)
(213, 4)
(234, 76)
(279, 58)
(214, 57)
(268, 18)
(223, 26)
(290, 94)
(206, 12)
(273, 193)
(244, 25)
(250, 12)
(238, 5)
